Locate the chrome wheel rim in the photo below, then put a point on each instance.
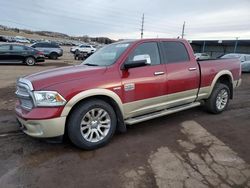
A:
(222, 99)
(95, 125)
(30, 61)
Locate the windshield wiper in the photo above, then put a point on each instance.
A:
(89, 64)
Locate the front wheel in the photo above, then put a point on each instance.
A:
(92, 124)
(219, 99)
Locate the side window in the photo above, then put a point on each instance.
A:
(53, 45)
(4, 48)
(38, 45)
(248, 58)
(46, 45)
(148, 48)
(175, 52)
(18, 48)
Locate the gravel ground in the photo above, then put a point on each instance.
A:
(187, 149)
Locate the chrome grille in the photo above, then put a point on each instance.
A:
(24, 95)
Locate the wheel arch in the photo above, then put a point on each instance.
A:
(224, 77)
(104, 94)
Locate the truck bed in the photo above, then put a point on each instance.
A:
(209, 69)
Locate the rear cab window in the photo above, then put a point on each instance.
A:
(174, 52)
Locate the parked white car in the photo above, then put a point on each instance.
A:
(244, 60)
(84, 48)
(202, 56)
(21, 39)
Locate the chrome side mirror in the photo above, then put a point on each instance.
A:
(142, 58)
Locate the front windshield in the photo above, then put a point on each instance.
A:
(107, 55)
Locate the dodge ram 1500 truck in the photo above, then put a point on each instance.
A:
(122, 84)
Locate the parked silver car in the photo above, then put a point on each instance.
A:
(202, 56)
(50, 50)
(244, 59)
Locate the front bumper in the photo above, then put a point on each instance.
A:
(47, 128)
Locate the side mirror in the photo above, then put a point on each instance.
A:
(138, 61)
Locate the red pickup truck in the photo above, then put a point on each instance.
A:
(122, 84)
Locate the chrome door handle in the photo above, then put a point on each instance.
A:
(192, 69)
(159, 73)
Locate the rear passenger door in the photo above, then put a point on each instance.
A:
(5, 55)
(18, 52)
(182, 73)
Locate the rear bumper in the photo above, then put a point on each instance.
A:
(40, 59)
(47, 128)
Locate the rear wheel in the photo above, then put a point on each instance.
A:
(30, 61)
(53, 56)
(219, 99)
(92, 124)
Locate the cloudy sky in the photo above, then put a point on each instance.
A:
(205, 19)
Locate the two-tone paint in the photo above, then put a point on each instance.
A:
(133, 92)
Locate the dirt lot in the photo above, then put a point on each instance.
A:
(187, 149)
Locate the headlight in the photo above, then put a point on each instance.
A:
(48, 98)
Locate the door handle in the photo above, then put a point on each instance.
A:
(159, 73)
(192, 69)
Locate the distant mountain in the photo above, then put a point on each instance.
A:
(83, 38)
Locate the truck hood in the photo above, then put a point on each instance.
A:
(51, 77)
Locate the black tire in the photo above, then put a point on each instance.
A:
(53, 56)
(211, 103)
(85, 54)
(76, 117)
(30, 61)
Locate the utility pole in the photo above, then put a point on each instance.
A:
(142, 26)
(236, 44)
(183, 30)
(204, 46)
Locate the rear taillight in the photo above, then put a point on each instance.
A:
(39, 53)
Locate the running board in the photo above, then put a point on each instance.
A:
(142, 118)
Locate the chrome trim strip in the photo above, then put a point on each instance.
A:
(142, 118)
(22, 95)
(26, 82)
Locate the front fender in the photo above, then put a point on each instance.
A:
(91, 93)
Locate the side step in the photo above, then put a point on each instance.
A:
(142, 118)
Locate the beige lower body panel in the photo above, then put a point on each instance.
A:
(145, 106)
(47, 128)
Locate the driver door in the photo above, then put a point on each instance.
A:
(144, 87)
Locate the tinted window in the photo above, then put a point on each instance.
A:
(248, 58)
(18, 48)
(4, 48)
(149, 48)
(37, 45)
(175, 52)
(53, 45)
